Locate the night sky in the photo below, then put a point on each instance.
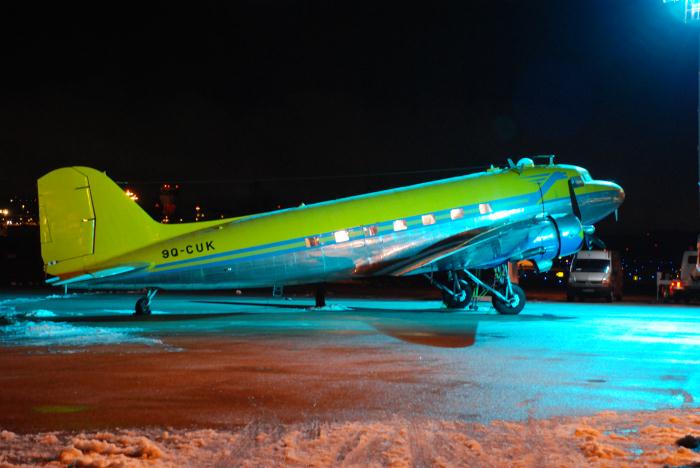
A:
(239, 101)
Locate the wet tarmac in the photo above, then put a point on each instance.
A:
(83, 362)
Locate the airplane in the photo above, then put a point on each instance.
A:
(93, 236)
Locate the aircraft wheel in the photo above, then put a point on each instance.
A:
(570, 297)
(510, 308)
(458, 301)
(609, 297)
(143, 306)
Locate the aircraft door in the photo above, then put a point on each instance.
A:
(373, 245)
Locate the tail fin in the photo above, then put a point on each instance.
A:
(85, 218)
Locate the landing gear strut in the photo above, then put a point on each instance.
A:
(143, 305)
(507, 298)
(456, 291)
(320, 295)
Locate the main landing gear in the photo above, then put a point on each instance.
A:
(456, 286)
(143, 305)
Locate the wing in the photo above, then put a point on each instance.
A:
(538, 238)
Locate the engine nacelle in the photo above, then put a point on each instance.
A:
(570, 235)
(551, 238)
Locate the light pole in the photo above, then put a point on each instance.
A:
(691, 15)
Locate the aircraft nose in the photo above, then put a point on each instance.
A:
(606, 199)
(620, 196)
(614, 192)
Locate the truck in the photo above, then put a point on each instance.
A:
(595, 273)
(685, 286)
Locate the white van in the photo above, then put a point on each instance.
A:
(595, 273)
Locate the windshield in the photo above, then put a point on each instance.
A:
(585, 175)
(590, 265)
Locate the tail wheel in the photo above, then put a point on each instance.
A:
(514, 305)
(143, 306)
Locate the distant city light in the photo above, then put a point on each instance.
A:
(199, 214)
(131, 195)
(5, 212)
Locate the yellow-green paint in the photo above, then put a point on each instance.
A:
(126, 235)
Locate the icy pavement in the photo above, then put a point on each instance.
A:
(363, 376)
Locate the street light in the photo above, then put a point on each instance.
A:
(691, 15)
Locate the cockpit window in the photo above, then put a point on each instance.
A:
(576, 181)
(585, 175)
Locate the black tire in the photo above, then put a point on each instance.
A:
(570, 297)
(504, 308)
(142, 307)
(609, 297)
(452, 302)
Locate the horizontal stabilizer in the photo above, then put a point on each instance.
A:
(56, 281)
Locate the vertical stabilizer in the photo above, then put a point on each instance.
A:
(85, 218)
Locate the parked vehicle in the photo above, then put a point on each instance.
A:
(595, 273)
(684, 287)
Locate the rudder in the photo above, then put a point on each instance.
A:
(85, 219)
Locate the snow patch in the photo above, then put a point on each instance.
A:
(131, 311)
(42, 313)
(332, 308)
(64, 334)
(582, 441)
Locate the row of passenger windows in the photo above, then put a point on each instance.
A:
(398, 225)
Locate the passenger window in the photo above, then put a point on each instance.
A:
(400, 225)
(341, 236)
(370, 231)
(457, 213)
(313, 241)
(428, 219)
(485, 208)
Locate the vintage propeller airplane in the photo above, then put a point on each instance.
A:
(93, 236)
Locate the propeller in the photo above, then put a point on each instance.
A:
(589, 240)
(574, 201)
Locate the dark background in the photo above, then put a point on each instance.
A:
(253, 105)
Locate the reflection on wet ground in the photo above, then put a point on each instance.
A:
(416, 331)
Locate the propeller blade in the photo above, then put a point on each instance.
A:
(598, 243)
(615, 214)
(574, 202)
